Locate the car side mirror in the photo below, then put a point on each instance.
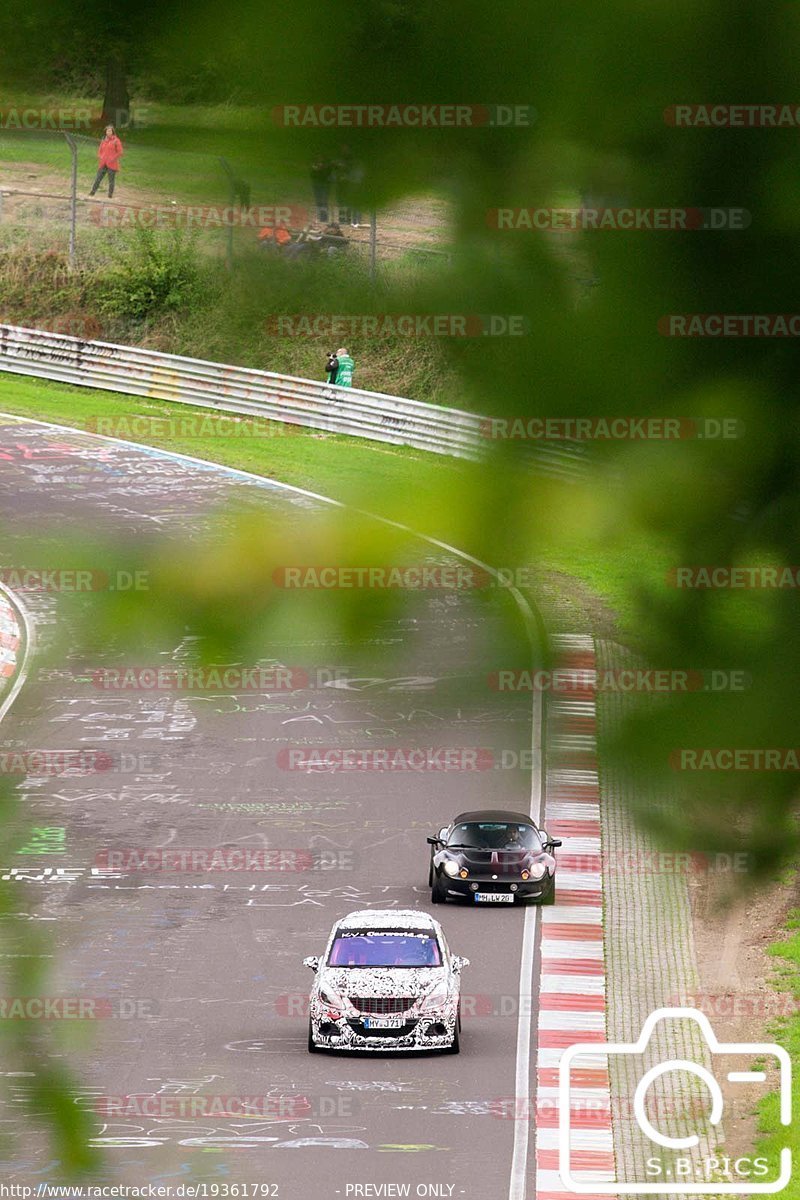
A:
(458, 963)
(553, 842)
(434, 841)
(312, 961)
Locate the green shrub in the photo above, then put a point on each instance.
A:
(155, 272)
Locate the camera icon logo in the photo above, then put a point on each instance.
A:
(685, 1175)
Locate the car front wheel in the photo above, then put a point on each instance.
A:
(438, 893)
(312, 1045)
(455, 1045)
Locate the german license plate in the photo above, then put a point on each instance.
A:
(494, 897)
(384, 1022)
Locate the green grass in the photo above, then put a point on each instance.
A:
(344, 468)
(433, 494)
(174, 150)
(786, 1032)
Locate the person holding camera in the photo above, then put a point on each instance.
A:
(332, 367)
(344, 368)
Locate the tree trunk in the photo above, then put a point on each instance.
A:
(117, 102)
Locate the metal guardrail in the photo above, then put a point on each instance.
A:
(132, 370)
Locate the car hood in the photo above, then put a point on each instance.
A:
(382, 981)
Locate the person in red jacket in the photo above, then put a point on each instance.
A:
(109, 152)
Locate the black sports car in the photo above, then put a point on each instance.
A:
(494, 857)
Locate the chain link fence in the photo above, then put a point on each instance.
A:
(46, 177)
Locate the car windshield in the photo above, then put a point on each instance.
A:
(385, 948)
(495, 835)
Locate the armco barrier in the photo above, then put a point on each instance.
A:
(139, 372)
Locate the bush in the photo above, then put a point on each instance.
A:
(155, 272)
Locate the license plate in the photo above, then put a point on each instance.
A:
(384, 1022)
(494, 897)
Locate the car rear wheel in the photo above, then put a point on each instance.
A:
(312, 1045)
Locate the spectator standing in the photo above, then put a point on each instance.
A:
(349, 177)
(321, 180)
(344, 375)
(109, 152)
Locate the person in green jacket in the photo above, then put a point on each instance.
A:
(344, 376)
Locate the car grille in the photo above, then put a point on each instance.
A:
(382, 1006)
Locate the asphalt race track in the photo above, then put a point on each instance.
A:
(203, 969)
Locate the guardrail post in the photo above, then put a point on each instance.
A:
(73, 203)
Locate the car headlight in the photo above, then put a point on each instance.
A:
(331, 997)
(435, 1000)
(451, 868)
(537, 870)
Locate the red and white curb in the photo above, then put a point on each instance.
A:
(572, 1000)
(10, 638)
(17, 638)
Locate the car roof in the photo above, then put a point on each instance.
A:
(494, 814)
(387, 918)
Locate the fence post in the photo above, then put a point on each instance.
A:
(373, 245)
(73, 203)
(227, 168)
